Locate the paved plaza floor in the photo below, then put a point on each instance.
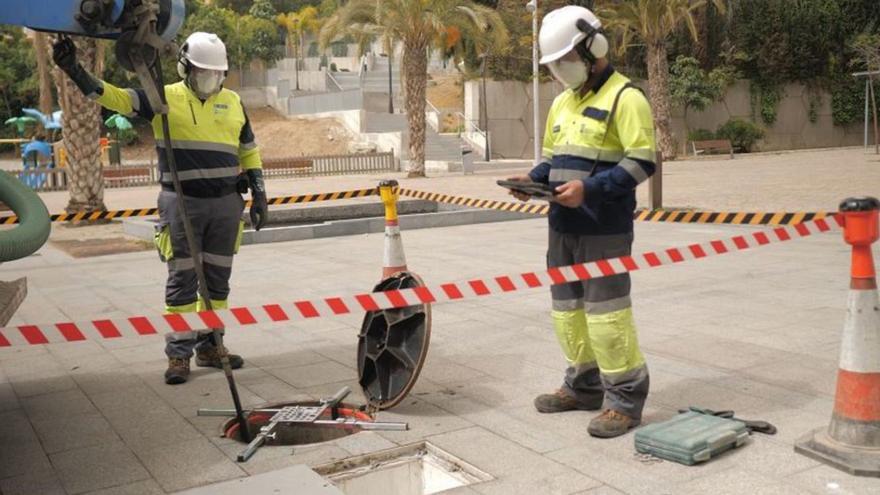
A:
(756, 331)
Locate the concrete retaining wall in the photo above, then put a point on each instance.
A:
(510, 117)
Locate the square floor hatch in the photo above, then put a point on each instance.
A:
(418, 469)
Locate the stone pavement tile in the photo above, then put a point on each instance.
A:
(363, 442)
(142, 419)
(146, 487)
(56, 405)
(344, 353)
(20, 449)
(492, 453)
(809, 341)
(100, 382)
(719, 352)
(206, 387)
(42, 481)
(66, 432)
(8, 400)
(314, 374)
(614, 462)
(555, 480)
(33, 385)
(676, 393)
(93, 468)
(189, 463)
(826, 480)
(792, 423)
(462, 490)
(807, 374)
(272, 390)
(355, 398)
(282, 356)
(736, 481)
(763, 455)
(310, 455)
(441, 370)
(602, 490)
(776, 393)
(424, 419)
(520, 425)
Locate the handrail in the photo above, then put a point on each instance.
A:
(471, 122)
(333, 79)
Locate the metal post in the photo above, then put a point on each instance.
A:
(484, 109)
(655, 184)
(867, 96)
(390, 85)
(536, 86)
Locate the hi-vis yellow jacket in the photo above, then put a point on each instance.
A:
(605, 139)
(211, 140)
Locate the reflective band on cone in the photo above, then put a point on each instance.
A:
(852, 440)
(394, 261)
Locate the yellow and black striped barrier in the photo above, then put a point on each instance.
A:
(732, 218)
(674, 216)
(145, 212)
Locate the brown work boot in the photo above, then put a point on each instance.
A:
(611, 424)
(210, 357)
(177, 372)
(559, 401)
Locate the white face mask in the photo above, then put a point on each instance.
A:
(571, 74)
(206, 83)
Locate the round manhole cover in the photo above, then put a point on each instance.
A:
(299, 433)
(392, 346)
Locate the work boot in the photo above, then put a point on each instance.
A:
(611, 424)
(559, 401)
(210, 357)
(177, 372)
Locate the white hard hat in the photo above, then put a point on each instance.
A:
(560, 34)
(203, 50)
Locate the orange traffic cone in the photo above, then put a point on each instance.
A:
(852, 440)
(394, 260)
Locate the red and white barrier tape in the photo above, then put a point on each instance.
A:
(332, 306)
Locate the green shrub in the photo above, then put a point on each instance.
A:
(742, 134)
(701, 135)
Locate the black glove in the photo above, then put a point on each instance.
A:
(64, 55)
(259, 207)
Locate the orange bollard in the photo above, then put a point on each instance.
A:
(852, 440)
(394, 261)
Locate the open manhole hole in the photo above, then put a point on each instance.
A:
(300, 433)
(417, 469)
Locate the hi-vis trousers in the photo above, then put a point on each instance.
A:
(594, 324)
(217, 227)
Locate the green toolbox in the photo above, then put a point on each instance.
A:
(691, 437)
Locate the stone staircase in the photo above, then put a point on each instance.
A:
(444, 150)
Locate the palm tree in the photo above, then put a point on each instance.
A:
(82, 133)
(297, 24)
(41, 50)
(652, 22)
(418, 25)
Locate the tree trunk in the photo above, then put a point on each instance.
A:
(415, 69)
(658, 85)
(82, 133)
(41, 50)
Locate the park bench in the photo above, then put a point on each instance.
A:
(127, 176)
(712, 145)
(288, 166)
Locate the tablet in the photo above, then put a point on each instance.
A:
(534, 189)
